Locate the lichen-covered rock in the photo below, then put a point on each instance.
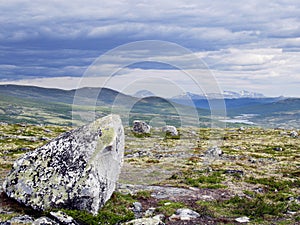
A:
(44, 221)
(294, 134)
(25, 219)
(77, 170)
(213, 152)
(170, 130)
(145, 221)
(184, 214)
(63, 218)
(140, 127)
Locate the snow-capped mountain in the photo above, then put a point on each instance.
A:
(242, 94)
(226, 95)
(143, 94)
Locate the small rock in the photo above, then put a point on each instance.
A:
(240, 172)
(44, 221)
(159, 217)
(141, 127)
(21, 219)
(25, 149)
(45, 139)
(207, 197)
(145, 221)
(294, 134)
(137, 207)
(170, 130)
(291, 212)
(214, 152)
(252, 160)
(137, 210)
(63, 218)
(242, 129)
(278, 149)
(243, 219)
(150, 212)
(5, 223)
(184, 214)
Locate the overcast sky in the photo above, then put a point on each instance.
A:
(252, 45)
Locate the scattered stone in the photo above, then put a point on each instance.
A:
(214, 152)
(44, 221)
(137, 207)
(25, 219)
(252, 160)
(47, 131)
(145, 221)
(294, 134)
(184, 214)
(170, 130)
(239, 172)
(141, 127)
(137, 210)
(291, 212)
(63, 218)
(77, 170)
(207, 198)
(243, 219)
(150, 212)
(45, 139)
(159, 217)
(25, 149)
(242, 129)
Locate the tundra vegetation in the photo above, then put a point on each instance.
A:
(258, 174)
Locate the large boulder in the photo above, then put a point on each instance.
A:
(141, 127)
(77, 170)
(170, 130)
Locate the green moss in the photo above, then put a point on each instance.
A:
(5, 217)
(258, 207)
(152, 161)
(5, 166)
(141, 135)
(115, 211)
(143, 195)
(273, 184)
(200, 178)
(168, 208)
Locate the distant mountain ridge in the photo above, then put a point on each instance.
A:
(48, 105)
(225, 94)
(143, 94)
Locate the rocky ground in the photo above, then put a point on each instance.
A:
(254, 173)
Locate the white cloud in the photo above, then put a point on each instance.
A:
(252, 45)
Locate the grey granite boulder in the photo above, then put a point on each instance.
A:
(140, 127)
(44, 221)
(213, 152)
(170, 130)
(77, 170)
(63, 218)
(24, 219)
(145, 221)
(184, 214)
(294, 134)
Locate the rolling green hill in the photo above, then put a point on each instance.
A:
(54, 106)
